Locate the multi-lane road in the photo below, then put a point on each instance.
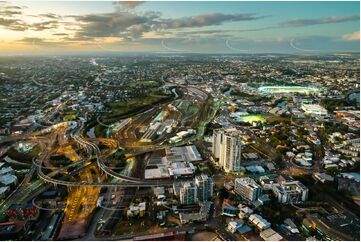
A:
(126, 181)
(49, 175)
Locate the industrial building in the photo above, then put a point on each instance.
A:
(175, 164)
(183, 153)
(151, 133)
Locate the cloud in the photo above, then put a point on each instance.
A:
(126, 24)
(13, 24)
(355, 36)
(130, 25)
(41, 42)
(213, 31)
(326, 20)
(9, 12)
(286, 24)
(50, 15)
(61, 34)
(77, 39)
(206, 20)
(128, 4)
(32, 40)
(10, 19)
(40, 26)
(13, 7)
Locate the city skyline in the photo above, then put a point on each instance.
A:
(205, 27)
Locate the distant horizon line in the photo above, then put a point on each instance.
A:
(178, 53)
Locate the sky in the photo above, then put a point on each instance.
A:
(37, 27)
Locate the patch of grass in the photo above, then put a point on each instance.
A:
(270, 118)
(253, 118)
(69, 117)
(123, 107)
(132, 226)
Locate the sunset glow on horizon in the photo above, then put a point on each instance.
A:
(204, 27)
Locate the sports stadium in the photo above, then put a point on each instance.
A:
(288, 89)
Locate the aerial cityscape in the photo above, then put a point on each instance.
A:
(188, 121)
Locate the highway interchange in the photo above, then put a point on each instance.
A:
(93, 155)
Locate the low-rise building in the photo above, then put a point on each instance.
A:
(228, 209)
(244, 211)
(322, 177)
(135, 210)
(290, 192)
(247, 188)
(270, 235)
(234, 225)
(291, 226)
(8, 180)
(7, 170)
(200, 216)
(314, 109)
(157, 173)
(259, 222)
(183, 153)
(267, 182)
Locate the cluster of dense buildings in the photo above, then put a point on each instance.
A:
(265, 100)
(255, 194)
(191, 192)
